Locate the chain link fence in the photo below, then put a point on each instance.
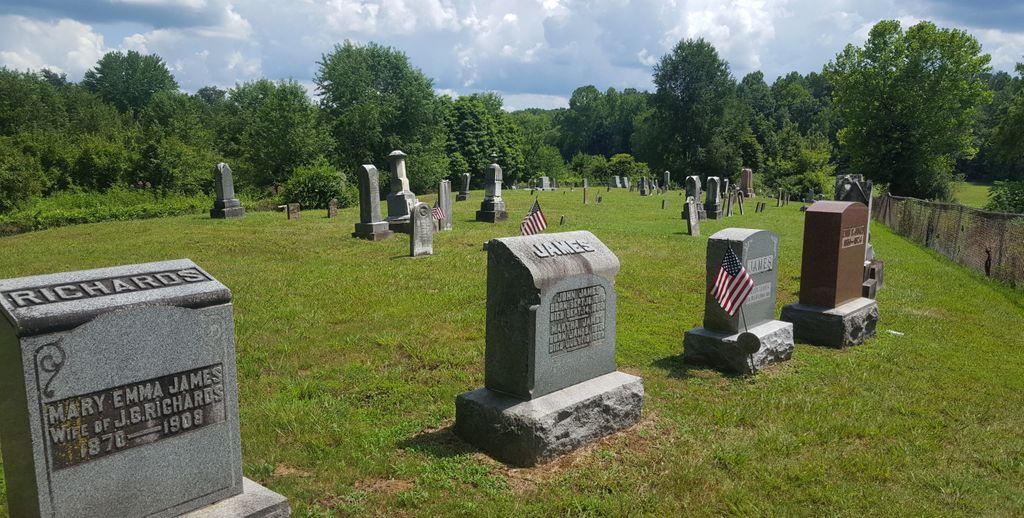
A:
(989, 242)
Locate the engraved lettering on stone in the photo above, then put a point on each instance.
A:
(555, 248)
(760, 264)
(83, 428)
(759, 293)
(577, 319)
(853, 236)
(49, 361)
(102, 287)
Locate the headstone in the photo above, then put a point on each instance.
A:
(627, 183)
(599, 198)
(739, 198)
(401, 199)
(725, 187)
(444, 199)
(551, 383)
(544, 183)
(492, 209)
(692, 217)
(586, 183)
(226, 205)
(119, 397)
(831, 310)
(464, 192)
(778, 202)
(370, 225)
(666, 180)
(616, 182)
(693, 187)
(855, 188)
(561, 220)
(750, 338)
(421, 239)
(332, 208)
(294, 211)
(728, 204)
(645, 189)
(663, 204)
(747, 182)
(713, 202)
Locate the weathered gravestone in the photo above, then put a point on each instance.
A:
(692, 189)
(616, 182)
(444, 199)
(599, 198)
(728, 204)
(226, 205)
(332, 208)
(421, 239)
(464, 192)
(370, 225)
(750, 338)
(725, 187)
(831, 310)
(692, 217)
(855, 188)
(294, 211)
(739, 198)
(663, 204)
(644, 188)
(401, 199)
(118, 395)
(492, 209)
(713, 202)
(666, 180)
(551, 383)
(544, 184)
(747, 182)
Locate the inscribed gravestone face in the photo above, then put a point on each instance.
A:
(692, 215)
(550, 351)
(492, 209)
(421, 239)
(118, 390)
(370, 225)
(831, 310)
(751, 338)
(464, 192)
(226, 204)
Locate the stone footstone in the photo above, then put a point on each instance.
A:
(768, 343)
(255, 501)
(848, 324)
(531, 432)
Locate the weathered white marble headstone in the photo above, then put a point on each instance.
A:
(118, 395)
(444, 198)
(226, 205)
(421, 239)
(750, 338)
(401, 199)
(551, 383)
(492, 209)
(747, 182)
(666, 180)
(370, 225)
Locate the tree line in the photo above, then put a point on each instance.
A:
(912, 109)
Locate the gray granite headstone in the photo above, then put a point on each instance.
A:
(401, 199)
(550, 377)
(692, 215)
(464, 192)
(444, 198)
(421, 239)
(332, 208)
(666, 180)
(693, 187)
(492, 209)
(750, 338)
(118, 394)
(294, 211)
(544, 183)
(370, 225)
(747, 182)
(226, 205)
(713, 200)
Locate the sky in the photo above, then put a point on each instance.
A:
(534, 53)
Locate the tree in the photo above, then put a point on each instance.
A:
(128, 80)
(477, 129)
(696, 121)
(1008, 136)
(909, 101)
(376, 102)
(625, 166)
(599, 123)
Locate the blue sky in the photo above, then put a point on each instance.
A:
(532, 52)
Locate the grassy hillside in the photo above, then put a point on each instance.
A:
(350, 357)
(972, 194)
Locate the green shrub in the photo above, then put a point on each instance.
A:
(21, 177)
(1006, 197)
(312, 186)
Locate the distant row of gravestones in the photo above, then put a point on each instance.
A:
(119, 385)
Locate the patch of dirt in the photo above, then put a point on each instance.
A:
(378, 485)
(284, 470)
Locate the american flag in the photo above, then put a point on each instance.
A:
(438, 213)
(534, 222)
(733, 283)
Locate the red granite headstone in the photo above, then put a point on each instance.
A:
(835, 234)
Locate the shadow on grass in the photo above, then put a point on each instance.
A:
(676, 368)
(440, 443)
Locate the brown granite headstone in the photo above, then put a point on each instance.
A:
(835, 233)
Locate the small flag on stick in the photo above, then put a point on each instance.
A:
(438, 213)
(534, 222)
(733, 283)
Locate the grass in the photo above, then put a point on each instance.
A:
(350, 356)
(972, 194)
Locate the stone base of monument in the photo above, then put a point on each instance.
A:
(373, 231)
(232, 212)
(527, 433)
(874, 278)
(255, 501)
(402, 226)
(848, 324)
(462, 196)
(740, 353)
(491, 216)
(713, 212)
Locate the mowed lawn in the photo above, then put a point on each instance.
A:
(972, 194)
(350, 357)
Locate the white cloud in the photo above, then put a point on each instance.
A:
(63, 45)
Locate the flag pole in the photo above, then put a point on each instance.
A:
(744, 318)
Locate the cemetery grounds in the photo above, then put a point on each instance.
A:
(350, 355)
